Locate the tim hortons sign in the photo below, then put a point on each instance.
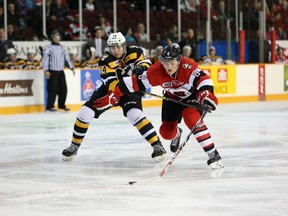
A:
(13, 88)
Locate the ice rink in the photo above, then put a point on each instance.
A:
(252, 139)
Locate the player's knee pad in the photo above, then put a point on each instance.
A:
(190, 116)
(135, 115)
(85, 114)
(168, 130)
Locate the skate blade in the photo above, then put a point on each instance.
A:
(174, 148)
(216, 165)
(160, 158)
(65, 158)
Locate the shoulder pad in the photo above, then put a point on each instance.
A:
(134, 49)
(106, 59)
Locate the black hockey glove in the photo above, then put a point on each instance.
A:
(139, 70)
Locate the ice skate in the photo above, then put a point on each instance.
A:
(214, 160)
(176, 142)
(70, 152)
(64, 109)
(159, 153)
(51, 110)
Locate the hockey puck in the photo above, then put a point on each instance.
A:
(132, 182)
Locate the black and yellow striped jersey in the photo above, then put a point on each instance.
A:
(112, 69)
(76, 63)
(34, 64)
(90, 63)
(17, 64)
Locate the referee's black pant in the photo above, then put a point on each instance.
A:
(56, 85)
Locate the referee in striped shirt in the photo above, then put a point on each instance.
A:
(54, 58)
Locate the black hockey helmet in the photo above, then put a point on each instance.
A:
(171, 52)
(55, 33)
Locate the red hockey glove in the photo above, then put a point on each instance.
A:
(207, 99)
(107, 101)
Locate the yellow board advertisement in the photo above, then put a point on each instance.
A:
(223, 76)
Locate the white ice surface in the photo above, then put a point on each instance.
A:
(252, 139)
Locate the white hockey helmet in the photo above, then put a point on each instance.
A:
(73, 51)
(212, 48)
(11, 51)
(31, 50)
(116, 39)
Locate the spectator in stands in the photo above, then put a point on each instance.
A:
(281, 34)
(254, 49)
(284, 8)
(12, 62)
(275, 7)
(187, 50)
(140, 34)
(35, 17)
(59, 11)
(1, 16)
(204, 13)
(157, 54)
(91, 60)
(221, 12)
(105, 25)
(4, 44)
(129, 36)
(191, 5)
(21, 9)
(73, 30)
(97, 42)
(166, 41)
(172, 34)
(211, 58)
(253, 15)
(10, 32)
(268, 33)
(192, 41)
(73, 53)
(31, 62)
(30, 4)
(277, 20)
(12, 17)
(280, 55)
(89, 5)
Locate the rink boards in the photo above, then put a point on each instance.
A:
(23, 91)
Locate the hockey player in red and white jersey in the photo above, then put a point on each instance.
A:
(183, 80)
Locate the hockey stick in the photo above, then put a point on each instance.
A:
(193, 105)
(183, 144)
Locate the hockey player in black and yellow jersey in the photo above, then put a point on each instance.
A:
(12, 62)
(91, 60)
(73, 53)
(115, 64)
(211, 58)
(31, 62)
